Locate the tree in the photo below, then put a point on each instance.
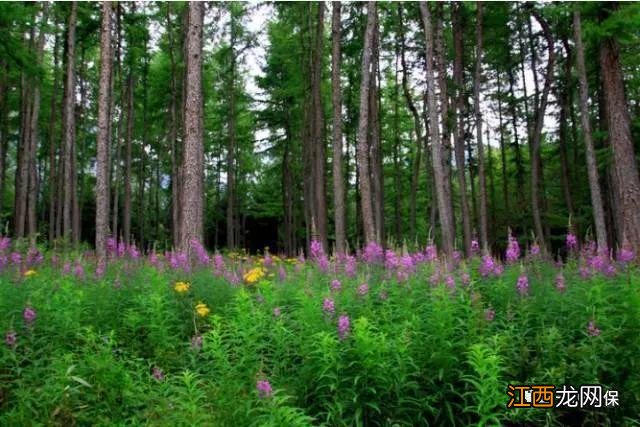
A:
(444, 205)
(625, 167)
(336, 96)
(484, 240)
(104, 125)
(587, 136)
(364, 175)
(191, 218)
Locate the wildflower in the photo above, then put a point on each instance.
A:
(253, 275)
(66, 268)
(282, 274)
(431, 253)
(328, 306)
(10, 338)
(200, 252)
(218, 263)
(181, 287)
(535, 249)
(487, 265)
(625, 256)
(402, 276)
(158, 374)
(571, 241)
(513, 250)
(202, 310)
(489, 314)
(15, 258)
(475, 246)
(29, 273)
(5, 242)
(268, 260)
(592, 329)
(560, 285)
(391, 261)
(111, 245)
(407, 263)
(363, 289)
(121, 250)
(523, 285)
(34, 257)
(450, 282)
(344, 325)
(316, 249)
(277, 311)
(465, 278)
(196, 342)
(134, 253)
(373, 253)
(323, 263)
(456, 256)
(79, 271)
(585, 272)
(29, 315)
(264, 389)
(383, 295)
(498, 269)
(350, 266)
(100, 269)
(336, 285)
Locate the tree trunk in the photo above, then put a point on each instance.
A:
(69, 124)
(503, 153)
(624, 160)
(484, 240)
(191, 227)
(52, 144)
(104, 120)
(590, 154)
(459, 108)
(444, 205)
(173, 135)
(564, 97)
(537, 133)
(375, 144)
(231, 144)
(417, 153)
(4, 128)
(336, 96)
(364, 175)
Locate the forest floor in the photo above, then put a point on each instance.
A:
(377, 339)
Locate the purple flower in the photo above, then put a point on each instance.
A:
(373, 253)
(487, 265)
(316, 249)
(268, 260)
(29, 315)
(10, 338)
(134, 253)
(66, 268)
(457, 256)
(391, 260)
(363, 289)
(625, 256)
(431, 253)
(121, 250)
(535, 249)
(79, 271)
(475, 247)
(560, 285)
(450, 282)
(489, 314)
(402, 276)
(15, 258)
(34, 257)
(592, 329)
(328, 306)
(513, 250)
(5, 242)
(277, 311)
(196, 342)
(523, 285)
(111, 245)
(323, 263)
(407, 263)
(157, 374)
(100, 269)
(282, 274)
(218, 263)
(350, 266)
(335, 285)
(465, 278)
(498, 269)
(585, 272)
(572, 241)
(264, 389)
(344, 325)
(200, 252)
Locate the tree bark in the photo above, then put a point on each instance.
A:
(537, 133)
(441, 182)
(503, 152)
(53, 170)
(459, 108)
(624, 161)
(104, 120)
(587, 135)
(484, 240)
(4, 128)
(69, 124)
(191, 227)
(564, 97)
(375, 143)
(231, 143)
(336, 97)
(364, 175)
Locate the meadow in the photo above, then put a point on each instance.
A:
(379, 338)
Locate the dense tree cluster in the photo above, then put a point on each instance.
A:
(393, 123)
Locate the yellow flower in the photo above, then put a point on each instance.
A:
(253, 275)
(29, 273)
(202, 310)
(181, 287)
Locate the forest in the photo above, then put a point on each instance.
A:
(263, 213)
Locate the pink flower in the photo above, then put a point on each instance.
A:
(523, 285)
(625, 256)
(450, 282)
(513, 250)
(560, 285)
(10, 338)
(157, 374)
(29, 315)
(264, 389)
(475, 247)
(592, 329)
(196, 342)
(335, 285)
(363, 289)
(572, 241)
(277, 311)
(328, 306)
(373, 253)
(535, 249)
(489, 314)
(344, 326)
